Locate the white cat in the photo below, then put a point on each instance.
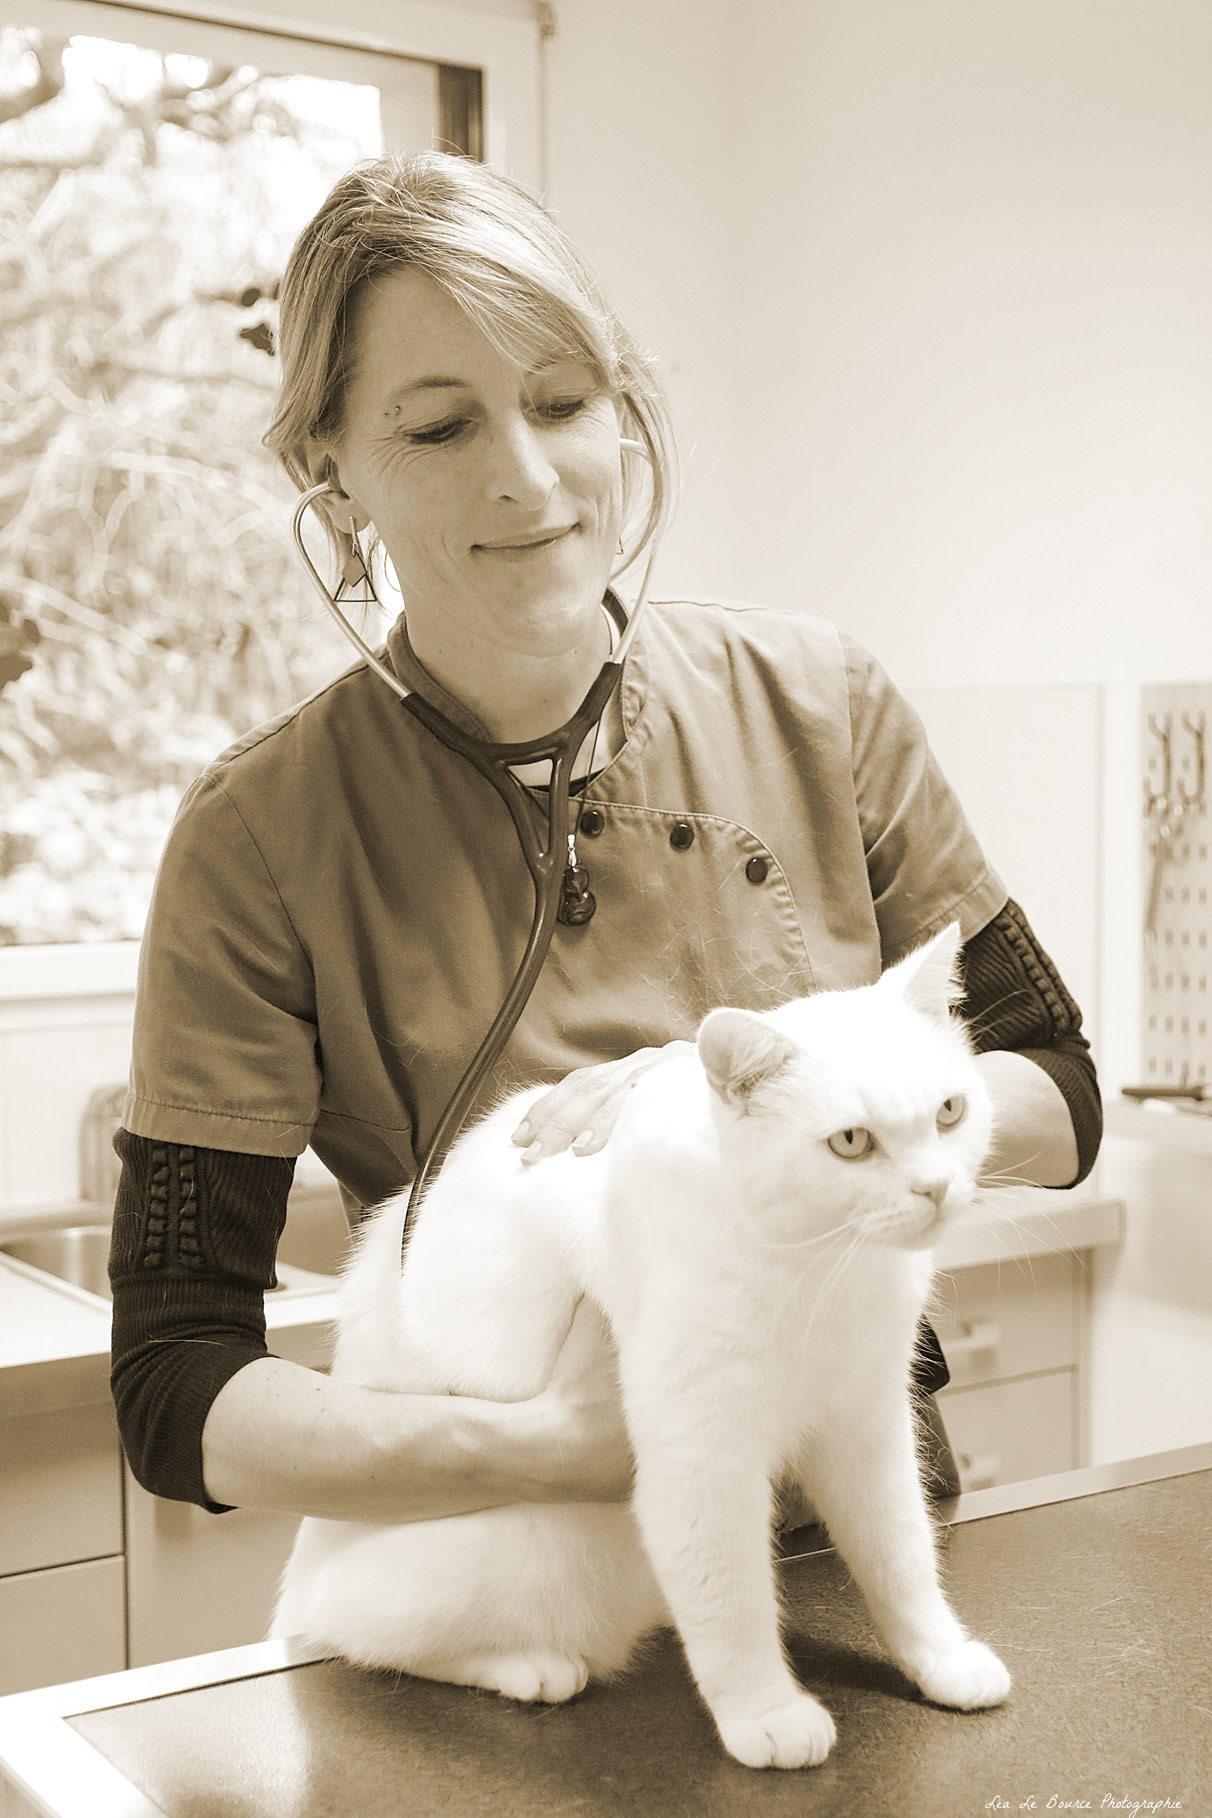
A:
(757, 1232)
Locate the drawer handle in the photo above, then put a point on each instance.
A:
(979, 1473)
(978, 1335)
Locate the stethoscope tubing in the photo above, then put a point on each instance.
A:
(546, 866)
(545, 860)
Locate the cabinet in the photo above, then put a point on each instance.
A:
(95, 1574)
(1013, 1334)
(62, 1570)
(62, 1623)
(200, 1582)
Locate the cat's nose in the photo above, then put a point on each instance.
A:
(935, 1190)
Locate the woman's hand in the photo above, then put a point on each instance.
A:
(582, 1110)
(581, 1433)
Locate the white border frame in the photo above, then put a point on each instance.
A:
(51, 1765)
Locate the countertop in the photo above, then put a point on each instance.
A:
(1094, 1585)
(54, 1338)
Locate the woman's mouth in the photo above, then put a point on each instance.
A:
(527, 543)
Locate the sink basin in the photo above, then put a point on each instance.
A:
(79, 1254)
(74, 1253)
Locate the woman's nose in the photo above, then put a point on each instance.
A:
(518, 465)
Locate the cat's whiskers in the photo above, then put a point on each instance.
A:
(1003, 1215)
(800, 1243)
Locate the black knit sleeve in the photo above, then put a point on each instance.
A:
(195, 1235)
(1014, 998)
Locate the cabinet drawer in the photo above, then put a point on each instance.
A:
(1005, 1431)
(66, 1623)
(200, 1582)
(60, 1487)
(1008, 1319)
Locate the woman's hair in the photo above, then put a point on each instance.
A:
(497, 251)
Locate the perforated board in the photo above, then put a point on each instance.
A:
(1176, 1012)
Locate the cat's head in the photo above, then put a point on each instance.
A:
(858, 1109)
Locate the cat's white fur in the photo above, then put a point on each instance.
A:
(764, 1294)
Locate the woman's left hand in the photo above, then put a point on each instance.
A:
(582, 1110)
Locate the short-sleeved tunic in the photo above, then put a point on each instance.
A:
(342, 902)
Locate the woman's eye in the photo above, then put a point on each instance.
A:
(850, 1144)
(559, 410)
(950, 1112)
(436, 433)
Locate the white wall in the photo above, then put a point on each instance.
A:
(942, 271)
(644, 116)
(934, 284)
(989, 326)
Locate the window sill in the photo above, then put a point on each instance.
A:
(85, 969)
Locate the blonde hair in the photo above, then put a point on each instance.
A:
(497, 251)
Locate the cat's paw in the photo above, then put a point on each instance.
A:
(533, 1678)
(966, 1678)
(797, 1734)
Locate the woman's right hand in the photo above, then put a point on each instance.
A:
(580, 1112)
(587, 1455)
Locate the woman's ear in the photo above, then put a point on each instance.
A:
(340, 507)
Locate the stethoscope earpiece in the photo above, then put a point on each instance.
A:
(329, 599)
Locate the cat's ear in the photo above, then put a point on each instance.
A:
(740, 1052)
(928, 980)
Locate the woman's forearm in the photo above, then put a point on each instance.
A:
(279, 1436)
(1033, 1136)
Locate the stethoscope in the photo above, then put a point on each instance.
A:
(549, 859)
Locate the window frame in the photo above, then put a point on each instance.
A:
(504, 43)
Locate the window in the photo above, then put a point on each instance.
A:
(153, 174)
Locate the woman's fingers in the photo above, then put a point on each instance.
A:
(582, 1110)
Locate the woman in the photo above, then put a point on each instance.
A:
(342, 901)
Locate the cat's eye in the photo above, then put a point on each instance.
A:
(850, 1144)
(951, 1112)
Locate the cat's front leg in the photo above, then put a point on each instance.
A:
(704, 1509)
(867, 1485)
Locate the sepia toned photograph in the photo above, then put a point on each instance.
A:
(605, 1077)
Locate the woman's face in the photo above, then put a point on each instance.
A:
(496, 491)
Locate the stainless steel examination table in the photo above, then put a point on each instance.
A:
(1094, 1586)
